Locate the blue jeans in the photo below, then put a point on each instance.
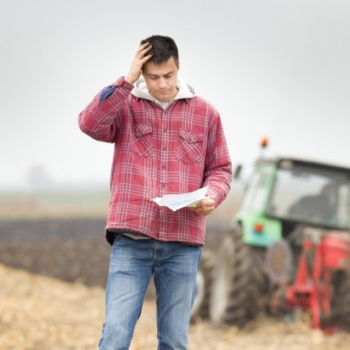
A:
(132, 264)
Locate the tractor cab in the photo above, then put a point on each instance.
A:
(310, 193)
(286, 193)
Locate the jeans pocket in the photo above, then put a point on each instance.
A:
(142, 140)
(190, 149)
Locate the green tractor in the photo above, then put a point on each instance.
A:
(283, 197)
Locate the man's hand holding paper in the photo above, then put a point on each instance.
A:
(204, 207)
(196, 201)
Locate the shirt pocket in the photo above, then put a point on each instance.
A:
(190, 149)
(142, 140)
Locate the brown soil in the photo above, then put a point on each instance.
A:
(73, 250)
(41, 313)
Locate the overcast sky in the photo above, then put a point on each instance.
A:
(272, 68)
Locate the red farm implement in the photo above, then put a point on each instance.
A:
(321, 277)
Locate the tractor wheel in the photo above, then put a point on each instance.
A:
(340, 303)
(240, 286)
(200, 309)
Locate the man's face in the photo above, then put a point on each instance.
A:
(161, 80)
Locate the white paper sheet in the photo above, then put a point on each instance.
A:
(178, 201)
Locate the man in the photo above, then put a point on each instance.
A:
(322, 206)
(167, 141)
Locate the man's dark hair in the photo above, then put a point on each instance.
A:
(163, 48)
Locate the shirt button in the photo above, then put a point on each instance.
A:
(165, 130)
(163, 186)
(163, 166)
(164, 148)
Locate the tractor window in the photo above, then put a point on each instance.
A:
(255, 197)
(311, 194)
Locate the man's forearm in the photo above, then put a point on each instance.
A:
(218, 167)
(99, 118)
(219, 182)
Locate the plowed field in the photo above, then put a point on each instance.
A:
(52, 278)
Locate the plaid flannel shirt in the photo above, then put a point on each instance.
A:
(157, 152)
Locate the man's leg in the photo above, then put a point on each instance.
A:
(130, 271)
(175, 274)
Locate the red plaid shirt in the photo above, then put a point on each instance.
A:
(176, 150)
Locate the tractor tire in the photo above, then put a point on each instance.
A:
(340, 303)
(240, 286)
(200, 309)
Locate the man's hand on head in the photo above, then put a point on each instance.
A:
(140, 58)
(204, 207)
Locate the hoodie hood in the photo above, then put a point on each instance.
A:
(140, 90)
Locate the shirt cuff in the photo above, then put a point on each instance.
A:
(211, 193)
